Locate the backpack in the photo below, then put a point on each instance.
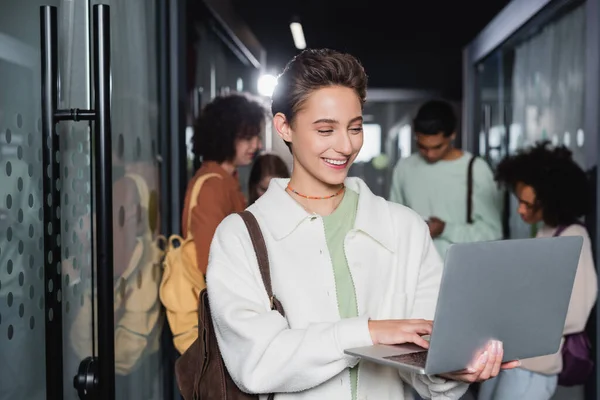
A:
(576, 353)
(182, 280)
(200, 371)
(137, 311)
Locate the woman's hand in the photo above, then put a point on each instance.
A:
(486, 366)
(400, 331)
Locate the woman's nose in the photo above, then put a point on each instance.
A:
(343, 145)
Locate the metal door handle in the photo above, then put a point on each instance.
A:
(101, 142)
(51, 197)
(102, 177)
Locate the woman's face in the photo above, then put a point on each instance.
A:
(326, 134)
(245, 149)
(528, 208)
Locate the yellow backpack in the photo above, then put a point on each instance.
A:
(182, 280)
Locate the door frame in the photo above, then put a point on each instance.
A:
(171, 145)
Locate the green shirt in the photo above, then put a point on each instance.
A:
(337, 225)
(440, 190)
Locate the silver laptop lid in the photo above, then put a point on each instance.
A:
(515, 291)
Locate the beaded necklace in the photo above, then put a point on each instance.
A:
(315, 197)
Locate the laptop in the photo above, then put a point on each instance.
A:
(515, 291)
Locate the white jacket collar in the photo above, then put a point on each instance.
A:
(283, 215)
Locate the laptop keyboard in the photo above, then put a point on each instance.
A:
(414, 359)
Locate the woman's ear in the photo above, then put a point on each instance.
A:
(283, 128)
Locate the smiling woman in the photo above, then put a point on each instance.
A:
(339, 259)
(320, 117)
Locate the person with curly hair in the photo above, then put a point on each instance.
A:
(226, 136)
(552, 190)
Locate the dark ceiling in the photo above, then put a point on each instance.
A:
(410, 44)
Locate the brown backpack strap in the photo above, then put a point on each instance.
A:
(260, 248)
(470, 190)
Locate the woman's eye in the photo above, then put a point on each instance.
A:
(356, 130)
(325, 130)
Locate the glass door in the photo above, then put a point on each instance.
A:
(21, 254)
(31, 295)
(79, 201)
(136, 193)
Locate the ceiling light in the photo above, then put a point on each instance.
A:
(266, 85)
(298, 35)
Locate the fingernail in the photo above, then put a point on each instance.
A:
(471, 370)
(483, 358)
(497, 347)
(494, 347)
(500, 347)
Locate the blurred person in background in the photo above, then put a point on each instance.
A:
(265, 168)
(450, 188)
(552, 191)
(226, 136)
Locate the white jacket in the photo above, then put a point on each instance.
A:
(396, 272)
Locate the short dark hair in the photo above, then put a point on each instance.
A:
(561, 186)
(265, 165)
(435, 116)
(224, 120)
(314, 69)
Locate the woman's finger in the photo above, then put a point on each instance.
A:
(423, 329)
(421, 324)
(476, 367)
(511, 364)
(498, 363)
(419, 341)
(489, 356)
(487, 359)
(418, 321)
